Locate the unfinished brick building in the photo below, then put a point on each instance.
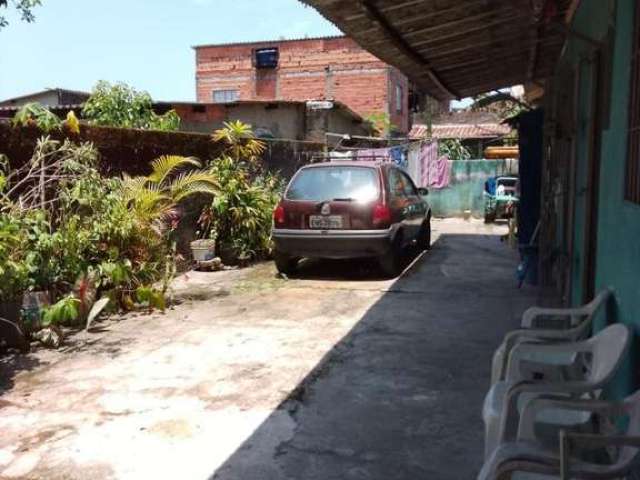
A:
(332, 68)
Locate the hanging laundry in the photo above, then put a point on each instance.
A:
(399, 156)
(436, 169)
(414, 168)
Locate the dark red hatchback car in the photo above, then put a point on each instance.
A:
(350, 210)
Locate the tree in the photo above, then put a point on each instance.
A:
(381, 122)
(503, 104)
(453, 149)
(119, 105)
(24, 7)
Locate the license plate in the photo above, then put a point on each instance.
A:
(328, 222)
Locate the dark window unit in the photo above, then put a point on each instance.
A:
(266, 57)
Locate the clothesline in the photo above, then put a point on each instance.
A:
(402, 145)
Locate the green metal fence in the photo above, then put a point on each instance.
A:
(466, 185)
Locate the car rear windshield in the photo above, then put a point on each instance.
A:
(359, 184)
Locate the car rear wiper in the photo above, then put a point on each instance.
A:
(346, 199)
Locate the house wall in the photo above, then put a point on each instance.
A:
(45, 98)
(618, 221)
(313, 69)
(294, 121)
(49, 97)
(282, 120)
(340, 122)
(399, 118)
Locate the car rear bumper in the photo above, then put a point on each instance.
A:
(333, 243)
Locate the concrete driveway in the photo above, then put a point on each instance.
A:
(334, 374)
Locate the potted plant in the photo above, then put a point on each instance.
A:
(228, 253)
(203, 249)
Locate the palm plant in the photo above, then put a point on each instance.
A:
(240, 215)
(153, 199)
(242, 144)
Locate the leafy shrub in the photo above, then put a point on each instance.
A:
(239, 216)
(35, 114)
(453, 149)
(66, 228)
(64, 311)
(16, 265)
(120, 105)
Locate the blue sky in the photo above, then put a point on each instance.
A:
(145, 43)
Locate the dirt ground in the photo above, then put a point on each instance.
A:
(334, 374)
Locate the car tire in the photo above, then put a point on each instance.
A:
(285, 263)
(424, 237)
(391, 262)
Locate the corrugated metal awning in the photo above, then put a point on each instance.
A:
(457, 48)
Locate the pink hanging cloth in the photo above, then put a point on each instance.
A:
(436, 170)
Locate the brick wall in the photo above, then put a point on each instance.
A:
(132, 151)
(398, 84)
(313, 69)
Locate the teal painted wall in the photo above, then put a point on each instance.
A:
(465, 187)
(618, 257)
(618, 230)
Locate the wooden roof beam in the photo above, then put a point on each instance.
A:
(478, 28)
(504, 54)
(453, 24)
(515, 65)
(443, 53)
(397, 6)
(482, 82)
(400, 43)
(431, 14)
(478, 41)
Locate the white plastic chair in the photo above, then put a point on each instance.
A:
(526, 459)
(598, 358)
(549, 325)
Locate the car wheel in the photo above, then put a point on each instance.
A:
(424, 238)
(285, 263)
(391, 262)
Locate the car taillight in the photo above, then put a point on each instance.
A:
(278, 215)
(381, 215)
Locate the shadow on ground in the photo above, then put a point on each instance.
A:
(11, 364)
(359, 269)
(98, 342)
(399, 397)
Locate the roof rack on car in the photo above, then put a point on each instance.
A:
(321, 158)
